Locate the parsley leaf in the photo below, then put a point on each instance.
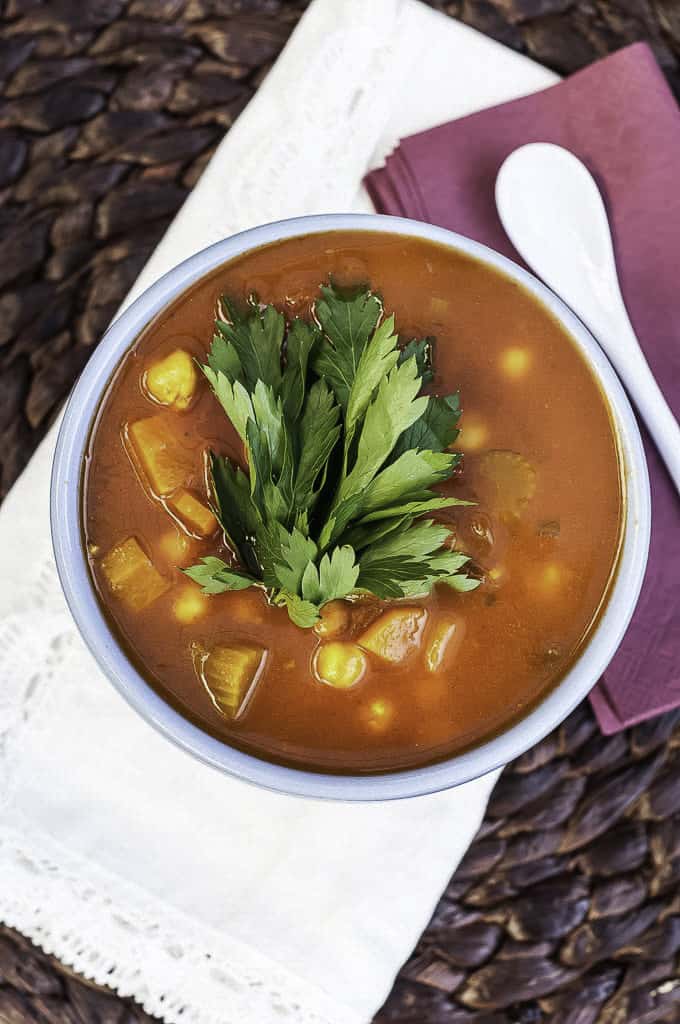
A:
(256, 336)
(303, 613)
(377, 359)
(348, 321)
(363, 534)
(407, 479)
(223, 358)
(441, 568)
(394, 408)
(422, 349)
(215, 577)
(269, 494)
(462, 583)
(235, 509)
(302, 338)
(419, 541)
(297, 553)
(334, 577)
(436, 429)
(344, 457)
(386, 577)
(233, 398)
(318, 434)
(412, 508)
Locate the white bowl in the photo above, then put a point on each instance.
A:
(78, 588)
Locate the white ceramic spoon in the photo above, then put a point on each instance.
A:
(554, 215)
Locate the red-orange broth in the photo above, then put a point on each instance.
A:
(525, 389)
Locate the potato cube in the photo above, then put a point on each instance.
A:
(445, 637)
(396, 634)
(339, 664)
(230, 673)
(132, 576)
(193, 513)
(189, 604)
(155, 448)
(173, 380)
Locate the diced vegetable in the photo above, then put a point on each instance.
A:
(230, 673)
(155, 449)
(505, 481)
(190, 604)
(335, 618)
(515, 362)
(132, 576)
(175, 547)
(396, 634)
(378, 715)
(173, 380)
(339, 664)
(444, 638)
(193, 513)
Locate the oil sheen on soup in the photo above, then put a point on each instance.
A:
(539, 466)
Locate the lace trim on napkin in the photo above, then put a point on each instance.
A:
(30, 658)
(174, 969)
(107, 929)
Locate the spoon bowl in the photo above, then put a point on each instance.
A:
(554, 215)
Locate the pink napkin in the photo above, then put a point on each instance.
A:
(620, 117)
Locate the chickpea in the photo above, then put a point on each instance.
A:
(515, 362)
(474, 434)
(175, 547)
(190, 604)
(339, 664)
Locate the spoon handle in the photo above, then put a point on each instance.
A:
(653, 408)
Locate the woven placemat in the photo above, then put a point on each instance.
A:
(567, 907)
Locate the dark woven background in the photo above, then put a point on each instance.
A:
(567, 907)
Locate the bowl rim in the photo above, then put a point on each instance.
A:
(76, 581)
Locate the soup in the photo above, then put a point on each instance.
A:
(294, 544)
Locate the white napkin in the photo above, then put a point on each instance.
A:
(207, 900)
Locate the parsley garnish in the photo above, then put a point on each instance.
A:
(343, 451)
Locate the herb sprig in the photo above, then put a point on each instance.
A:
(343, 451)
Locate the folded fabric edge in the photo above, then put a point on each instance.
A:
(607, 718)
(179, 981)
